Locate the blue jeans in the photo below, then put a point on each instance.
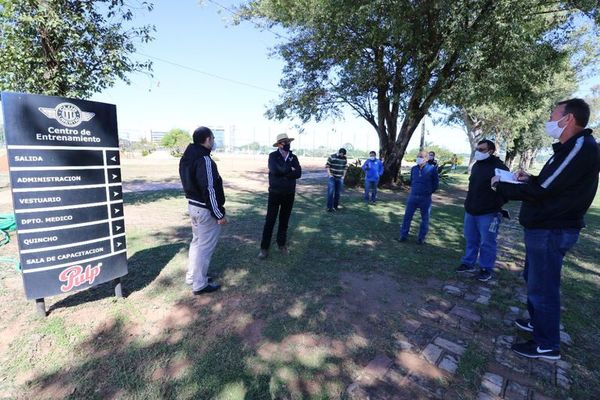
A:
(544, 253)
(334, 189)
(423, 203)
(371, 186)
(481, 232)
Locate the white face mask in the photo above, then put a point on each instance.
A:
(420, 160)
(372, 158)
(553, 130)
(480, 155)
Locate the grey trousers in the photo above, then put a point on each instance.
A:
(205, 234)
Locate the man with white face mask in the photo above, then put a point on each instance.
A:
(373, 170)
(482, 214)
(424, 180)
(552, 210)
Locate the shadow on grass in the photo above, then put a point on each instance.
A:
(144, 266)
(285, 327)
(151, 196)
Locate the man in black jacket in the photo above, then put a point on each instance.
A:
(552, 211)
(482, 213)
(203, 188)
(284, 169)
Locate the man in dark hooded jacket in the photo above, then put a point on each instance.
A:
(203, 188)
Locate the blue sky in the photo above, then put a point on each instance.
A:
(200, 36)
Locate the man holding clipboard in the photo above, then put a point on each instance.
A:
(552, 210)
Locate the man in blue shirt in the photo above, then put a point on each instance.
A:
(424, 180)
(373, 170)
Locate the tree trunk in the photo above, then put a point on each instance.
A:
(510, 157)
(532, 159)
(474, 132)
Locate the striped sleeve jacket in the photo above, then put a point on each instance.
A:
(561, 194)
(201, 181)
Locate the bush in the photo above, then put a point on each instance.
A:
(355, 176)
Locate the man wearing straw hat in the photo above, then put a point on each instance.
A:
(284, 169)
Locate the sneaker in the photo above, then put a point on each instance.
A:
(211, 287)
(284, 250)
(531, 350)
(524, 325)
(466, 268)
(263, 254)
(208, 277)
(402, 239)
(331, 210)
(484, 275)
(420, 241)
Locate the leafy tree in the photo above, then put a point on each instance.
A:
(390, 61)
(68, 47)
(176, 140)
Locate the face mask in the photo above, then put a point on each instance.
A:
(419, 160)
(431, 157)
(213, 147)
(286, 147)
(480, 155)
(372, 158)
(553, 130)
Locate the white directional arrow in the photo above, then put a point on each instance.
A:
(115, 194)
(113, 158)
(118, 227)
(117, 211)
(119, 244)
(115, 176)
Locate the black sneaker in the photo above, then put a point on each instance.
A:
(466, 268)
(211, 287)
(331, 210)
(484, 275)
(524, 325)
(531, 350)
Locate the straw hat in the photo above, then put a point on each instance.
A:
(280, 137)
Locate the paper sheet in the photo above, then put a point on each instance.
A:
(507, 176)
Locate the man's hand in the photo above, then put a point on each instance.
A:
(522, 176)
(222, 221)
(494, 182)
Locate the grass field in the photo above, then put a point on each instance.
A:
(304, 326)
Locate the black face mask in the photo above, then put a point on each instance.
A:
(286, 147)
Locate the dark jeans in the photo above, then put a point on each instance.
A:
(481, 232)
(544, 253)
(334, 189)
(278, 204)
(371, 187)
(424, 204)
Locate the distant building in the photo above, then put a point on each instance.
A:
(156, 136)
(219, 133)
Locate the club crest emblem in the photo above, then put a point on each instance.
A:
(67, 114)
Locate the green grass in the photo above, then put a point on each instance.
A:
(96, 346)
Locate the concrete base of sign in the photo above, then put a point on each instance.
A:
(118, 288)
(40, 306)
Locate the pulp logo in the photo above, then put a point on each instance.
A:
(76, 276)
(67, 114)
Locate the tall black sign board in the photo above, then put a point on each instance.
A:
(65, 175)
